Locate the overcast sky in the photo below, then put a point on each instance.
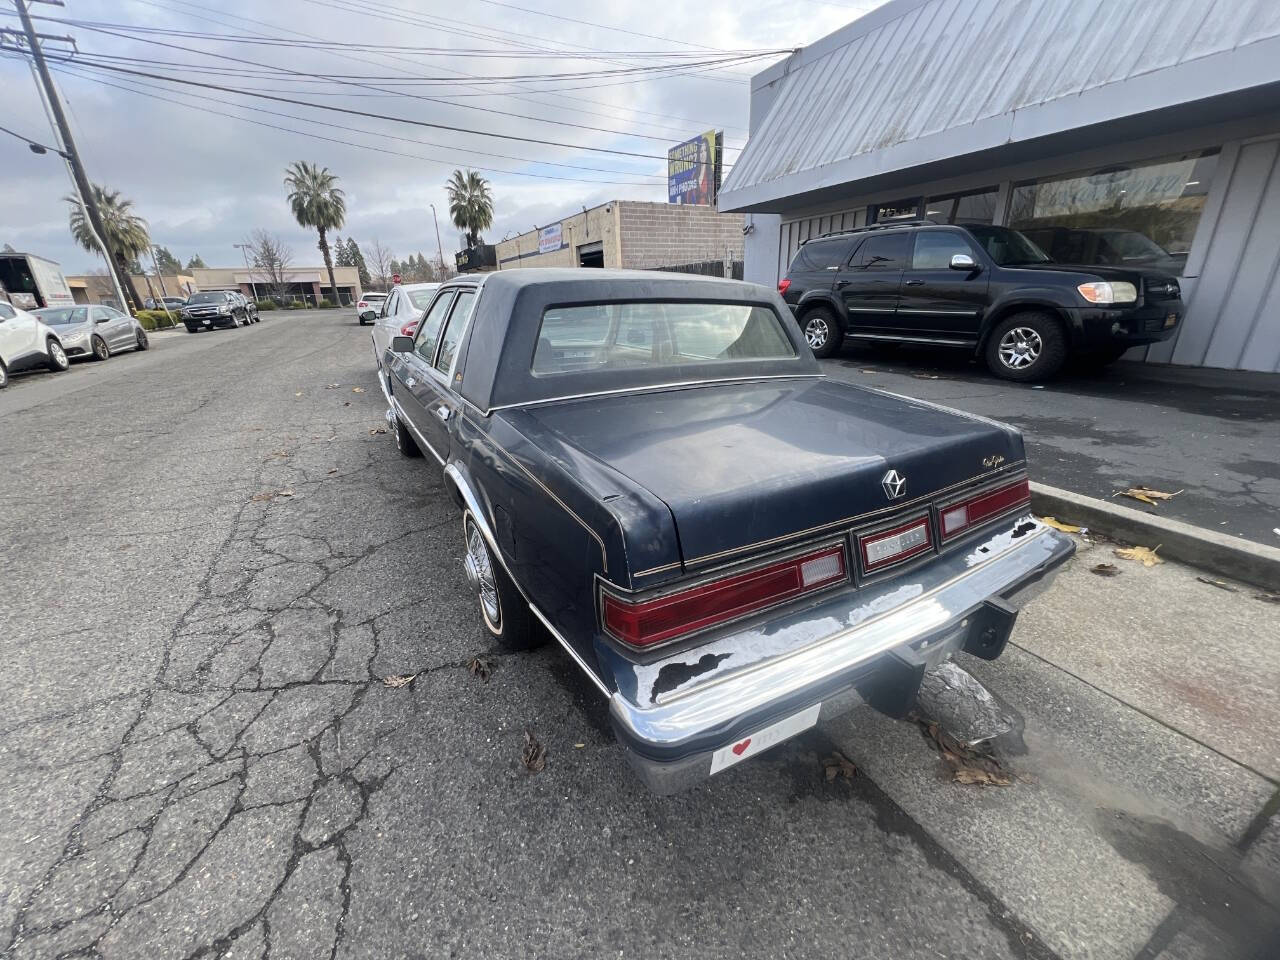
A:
(203, 181)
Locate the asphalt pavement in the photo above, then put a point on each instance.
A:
(214, 560)
(1211, 436)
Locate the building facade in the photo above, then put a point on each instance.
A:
(303, 284)
(1140, 132)
(631, 234)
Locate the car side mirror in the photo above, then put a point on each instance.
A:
(402, 344)
(962, 261)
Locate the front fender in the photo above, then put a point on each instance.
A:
(1055, 300)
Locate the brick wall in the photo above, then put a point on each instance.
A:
(669, 234)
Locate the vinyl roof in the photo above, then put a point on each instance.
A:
(918, 81)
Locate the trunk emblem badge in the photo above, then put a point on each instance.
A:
(894, 483)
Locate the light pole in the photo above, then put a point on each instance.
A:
(244, 248)
(439, 245)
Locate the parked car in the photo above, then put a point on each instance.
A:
(975, 287)
(27, 342)
(94, 331)
(655, 471)
(160, 303)
(214, 308)
(250, 307)
(369, 306)
(400, 314)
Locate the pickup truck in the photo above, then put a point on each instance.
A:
(654, 472)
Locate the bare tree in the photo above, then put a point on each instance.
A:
(271, 258)
(379, 261)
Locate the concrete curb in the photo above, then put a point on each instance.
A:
(1209, 550)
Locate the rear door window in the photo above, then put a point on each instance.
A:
(888, 252)
(823, 255)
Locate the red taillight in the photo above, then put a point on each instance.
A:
(648, 622)
(888, 547)
(978, 509)
(409, 329)
(784, 284)
(362, 304)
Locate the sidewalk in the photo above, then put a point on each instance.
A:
(1215, 435)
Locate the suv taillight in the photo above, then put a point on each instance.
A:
(783, 284)
(647, 622)
(959, 517)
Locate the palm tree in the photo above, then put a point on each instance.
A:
(126, 232)
(470, 204)
(316, 201)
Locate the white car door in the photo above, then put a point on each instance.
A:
(14, 338)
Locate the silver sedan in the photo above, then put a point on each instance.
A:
(94, 330)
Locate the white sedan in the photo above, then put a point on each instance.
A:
(369, 306)
(404, 308)
(26, 342)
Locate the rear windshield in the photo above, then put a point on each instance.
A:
(421, 298)
(627, 336)
(59, 316)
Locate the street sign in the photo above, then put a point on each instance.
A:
(395, 278)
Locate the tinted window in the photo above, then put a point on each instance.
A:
(887, 252)
(429, 328)
(453, 331)
(821, 254)
(619, 336)
(1007, 247)
(935, 248)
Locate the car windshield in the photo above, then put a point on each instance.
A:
(616, 336)
(1007, 247)
(211, 297)
(60, 316)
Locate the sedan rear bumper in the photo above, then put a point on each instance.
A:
(871, 644)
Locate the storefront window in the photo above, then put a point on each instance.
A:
(1123, 215)
(976, 207)
(907, 209)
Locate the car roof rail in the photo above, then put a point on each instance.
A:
(871, 228)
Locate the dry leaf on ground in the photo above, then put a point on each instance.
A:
(534, 754)
(926, 376)
(399, 679)
(578, 746)
(298, 394)
(1059, 525)
(357, 389)
(977, 775)
(269, 495)
(1145, 555)
(1105, 569)
(332, 386)
(1220, 584)
(377, 430)
(838, 765)
(480, 667)
(1147, 495)
(332, 470)
(969, 765)
(346, 403)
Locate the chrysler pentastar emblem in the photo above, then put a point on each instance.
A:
(894, 483)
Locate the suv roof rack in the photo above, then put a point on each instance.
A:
(887, 225)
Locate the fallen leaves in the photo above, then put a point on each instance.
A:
(1059, 525)
(298, 394)
(332, 386)
(377, 430)
(1147, 495)
(1220, 584)
(1105, 569)
(480, 667)
(268, 495)
(838, 765)
(357, 389)
(332, 470)
(969, 765)
(533, 755)
(1145, 555)
(398, 680)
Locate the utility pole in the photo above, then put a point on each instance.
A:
(69, 146)
(244, 248)
(439, 245)
(163, 292)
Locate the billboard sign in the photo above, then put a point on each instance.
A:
(693, 169)
(549, 238)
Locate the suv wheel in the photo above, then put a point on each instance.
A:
(1027, 346)
(821, 332)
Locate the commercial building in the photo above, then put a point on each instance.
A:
(632, 234)
(97, 287)
(304, 284)
(1142, 132)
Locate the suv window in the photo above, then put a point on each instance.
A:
(822, 255)
(429, 328)
(887, 252)
(935, 248)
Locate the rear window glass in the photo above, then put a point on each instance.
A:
(821, 254)
(420, 298)
(621, 336)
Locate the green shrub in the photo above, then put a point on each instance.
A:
(293, 305)
(325, 303)
(266, 305)
(157, 319)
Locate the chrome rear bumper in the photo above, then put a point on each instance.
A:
(673, 714)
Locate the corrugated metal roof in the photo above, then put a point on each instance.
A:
(916, 68)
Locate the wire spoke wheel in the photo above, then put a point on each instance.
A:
(1020, 348)
(479, 569)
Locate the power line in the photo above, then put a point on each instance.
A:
(43, 147)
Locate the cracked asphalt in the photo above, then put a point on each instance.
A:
(212, 561)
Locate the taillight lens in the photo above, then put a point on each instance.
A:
(888, 547)
(361, 304)
(784, 284)
(648, 622)
(409, 329)
(978, 509)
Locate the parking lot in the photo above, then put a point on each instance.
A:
(215, 559)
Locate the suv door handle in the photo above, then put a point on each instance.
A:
(913, 283)
(841, 284)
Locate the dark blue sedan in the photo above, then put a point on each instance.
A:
(653, 470)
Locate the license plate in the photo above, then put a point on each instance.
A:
(762, 740)
(1171, 321)
(207, 323)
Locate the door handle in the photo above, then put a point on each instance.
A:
(841, 284)
(443, 412)
(410, 382)
(913, 283)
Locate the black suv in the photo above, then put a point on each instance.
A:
(976, 287)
